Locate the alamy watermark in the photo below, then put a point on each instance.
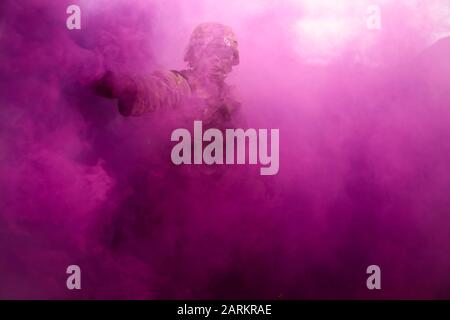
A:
(227, 148)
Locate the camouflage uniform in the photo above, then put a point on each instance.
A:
(211, 54)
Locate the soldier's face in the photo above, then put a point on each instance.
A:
(218, 61)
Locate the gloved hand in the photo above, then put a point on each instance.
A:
(117, 86)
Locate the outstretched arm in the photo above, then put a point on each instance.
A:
(140, 94)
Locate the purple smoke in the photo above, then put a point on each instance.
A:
(364, 154)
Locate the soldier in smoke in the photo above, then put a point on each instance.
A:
(211, 54)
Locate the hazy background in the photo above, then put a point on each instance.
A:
(364, 163)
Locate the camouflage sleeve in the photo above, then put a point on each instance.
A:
(161, 89)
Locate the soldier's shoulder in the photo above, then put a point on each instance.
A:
(173, 78)
(170, 74)
(181, 74)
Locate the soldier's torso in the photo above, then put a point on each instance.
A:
(213, 103)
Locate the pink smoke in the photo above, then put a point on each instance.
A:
(364, 164)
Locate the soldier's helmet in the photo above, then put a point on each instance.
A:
(212, 39)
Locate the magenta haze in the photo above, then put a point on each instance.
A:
(364, 162)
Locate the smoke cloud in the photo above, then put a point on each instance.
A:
(364, 154)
